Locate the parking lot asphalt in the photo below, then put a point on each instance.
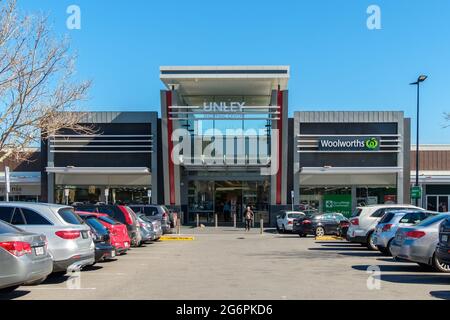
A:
(228, 263)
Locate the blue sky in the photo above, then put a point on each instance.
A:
(337, 63)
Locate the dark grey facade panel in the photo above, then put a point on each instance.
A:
(344, 128)
(118, 117)
(367, 159)
(142, 160)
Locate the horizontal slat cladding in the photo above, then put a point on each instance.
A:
(350, 116)
(431, 160)
(101, 144)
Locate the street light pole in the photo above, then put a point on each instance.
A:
(421, 78)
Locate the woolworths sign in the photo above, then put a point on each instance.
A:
(349, 143)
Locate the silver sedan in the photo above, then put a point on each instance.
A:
(418, 243)
(24, 258)
(387, 227)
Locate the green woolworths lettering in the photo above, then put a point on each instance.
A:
(372, 143)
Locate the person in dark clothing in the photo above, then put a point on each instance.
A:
(248, 214)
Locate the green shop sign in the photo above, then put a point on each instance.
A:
(349, 143)
(416, 192)
(341, 203)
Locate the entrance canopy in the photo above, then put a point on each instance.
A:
(192, 82)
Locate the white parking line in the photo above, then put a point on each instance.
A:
(43, 288)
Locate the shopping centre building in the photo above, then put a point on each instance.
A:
(224, 140)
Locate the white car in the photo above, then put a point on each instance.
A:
(365, 219)
(285, 220)
(69, 239)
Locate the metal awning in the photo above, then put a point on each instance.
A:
(98, 170)
(350, 170)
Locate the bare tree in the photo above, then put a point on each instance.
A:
(37, 90)
(447, 119)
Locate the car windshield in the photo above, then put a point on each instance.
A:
(387, 217)
(357, 212)
(7, 228)
(295, 215)
(96, 225)
(70, 216)
(108, 220)
(432, 220)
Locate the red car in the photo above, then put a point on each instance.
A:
(118, 231)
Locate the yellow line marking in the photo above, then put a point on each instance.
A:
(326, 238)
(176, 238)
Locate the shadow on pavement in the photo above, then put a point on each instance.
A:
(445, 295)
(56, 278)
(433, 279)
(13, 295)
(91, 268)
(391, 268)
(343, 248)
(342, 245)
(360, 254)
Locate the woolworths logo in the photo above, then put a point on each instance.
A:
(372, 143)
(349, 143)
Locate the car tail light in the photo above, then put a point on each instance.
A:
(415, 234)
(17, 248)
(386, 227)
(289, 222)
(127, 215)
(306, 221)
(355, 221)
(68, 234)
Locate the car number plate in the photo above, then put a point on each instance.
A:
(39, 251)
(445, 238)
(84, 234)
(126, 244)
(113, 253)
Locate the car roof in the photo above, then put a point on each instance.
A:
(33, 205)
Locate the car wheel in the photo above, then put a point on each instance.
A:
(303, 235)
(320, 232)
(370, 243)
(8, 290)
(440, 266)
(389, 247)
(36, 282)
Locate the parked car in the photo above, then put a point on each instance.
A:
(443, 247)
(69, 240)
(155, 212)
(418, 243)
(118, 232)
(285, 220)
(100, 234)
(365, 219)
(391, 221)
(320, 224)
(121, 213)
(149, 228)
(24, 258)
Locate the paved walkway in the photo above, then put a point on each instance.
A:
(226, 263)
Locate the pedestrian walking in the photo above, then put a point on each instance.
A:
(248, 214)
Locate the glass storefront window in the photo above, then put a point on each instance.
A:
(94, 194)
(227, 198)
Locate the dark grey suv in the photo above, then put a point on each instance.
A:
(154, 211)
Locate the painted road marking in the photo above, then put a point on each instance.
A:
(327, 238)
(177, 238)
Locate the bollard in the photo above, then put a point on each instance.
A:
(216, 220)
(234, 220)
(261, 224)
(198, 220)
(179, 226)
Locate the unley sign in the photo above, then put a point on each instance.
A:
(231, 107)
(349, 143)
